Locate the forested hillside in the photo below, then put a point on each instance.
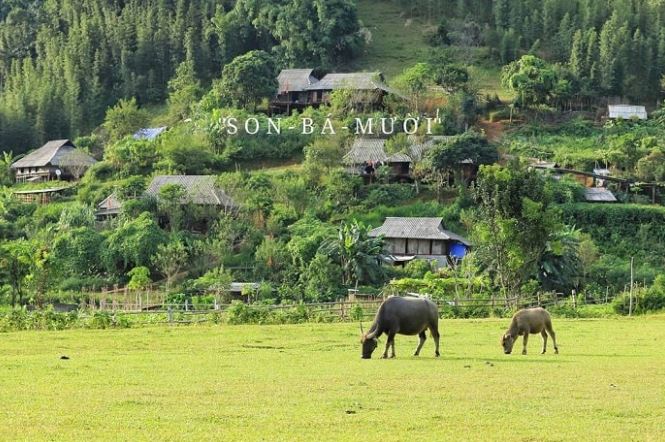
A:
(145, 90)
(63, 62)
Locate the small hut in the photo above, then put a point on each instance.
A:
(599, 195)
(201, 190)
(109, 208)
(626, 112)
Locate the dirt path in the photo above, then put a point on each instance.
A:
(493, 130)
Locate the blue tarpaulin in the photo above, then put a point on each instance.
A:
(149, 133)
(457, 250)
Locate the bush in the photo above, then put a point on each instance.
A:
(644, 301)
(21, 319)
(500, 114)
(241, 313)
(386, 194)
(357, 313)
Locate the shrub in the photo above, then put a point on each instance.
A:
(500, 114)
(649, 300)
(357, 313)
(241, 313)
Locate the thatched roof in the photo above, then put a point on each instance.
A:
(295, 80)
(59, 153)
(199, 189)
(599, 195)
(627, 111)
(416, 228)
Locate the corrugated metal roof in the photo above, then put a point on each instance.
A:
(295, 80)
(149, 133)
(418, 149)
(200, 189)
(354, 80)
(627, 112)
(366, 150)
(416, 228)
(60, 153)
(374, 150)
(110, 204)
(599, 195)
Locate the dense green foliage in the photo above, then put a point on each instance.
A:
(301, 228)
(62, 63)
(608, 48)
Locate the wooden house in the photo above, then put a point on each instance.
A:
(292, 91)
(407, 239)
(109, 208)
(367, 154)
(298, 88)
(200, 190)
(368, 87)
(55, 160)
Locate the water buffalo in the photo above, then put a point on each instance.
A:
(406, 316)
(529, 321)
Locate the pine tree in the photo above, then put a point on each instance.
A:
(578, 60)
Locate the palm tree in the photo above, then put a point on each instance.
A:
(356, 252)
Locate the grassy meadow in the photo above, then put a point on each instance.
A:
(306, 382)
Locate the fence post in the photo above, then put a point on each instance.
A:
(186, 305)
(630, 305)
(170, 314)
(574, 300)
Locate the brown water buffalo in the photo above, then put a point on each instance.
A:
(406, 316)
(525, 322)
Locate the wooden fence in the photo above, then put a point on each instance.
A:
(343, 309)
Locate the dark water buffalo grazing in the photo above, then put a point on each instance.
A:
(406, 316)
(529, 321)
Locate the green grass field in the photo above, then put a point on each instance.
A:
(306, 382)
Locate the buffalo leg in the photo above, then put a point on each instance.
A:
(422, 337)
(435, 335)
(524, 342)
(544, 335)
(390, 341)
(550, 330)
